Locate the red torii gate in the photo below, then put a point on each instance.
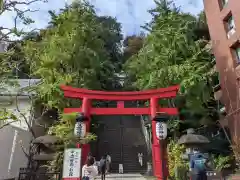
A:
(153, 95)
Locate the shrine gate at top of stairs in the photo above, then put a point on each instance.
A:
(159, 154)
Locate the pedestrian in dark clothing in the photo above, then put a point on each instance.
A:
(198, 167)
(103, 166)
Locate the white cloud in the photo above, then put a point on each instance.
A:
(133, 13)
(130, 13)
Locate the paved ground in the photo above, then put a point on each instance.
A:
(124, 176)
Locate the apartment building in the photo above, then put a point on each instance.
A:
(223, 18)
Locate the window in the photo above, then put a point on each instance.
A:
(237, 51)
(230, 26)
(222, 3)
(230, 23)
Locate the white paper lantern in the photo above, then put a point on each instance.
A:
(161, 130)
(80, 129)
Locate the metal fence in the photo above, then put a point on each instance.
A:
(28, 174)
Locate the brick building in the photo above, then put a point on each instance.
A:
(223, 18)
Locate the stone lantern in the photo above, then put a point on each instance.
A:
(46, 148)
(192, 140)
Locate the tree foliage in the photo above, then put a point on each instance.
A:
(13, 60)
(71, 53)
(77, 49)
(177, 166)
(132, 45)
(19, 10)
(174, 54)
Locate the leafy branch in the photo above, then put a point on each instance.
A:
(15, 7)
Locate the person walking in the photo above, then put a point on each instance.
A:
(198, 166)
(140, 159)
(108, 163)
(103, 166)
(89, 170)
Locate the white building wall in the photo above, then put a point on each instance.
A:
(11, 155)
(20, 107)
(3, 46)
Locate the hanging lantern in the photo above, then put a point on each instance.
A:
(80, 126)
(161, 126)
(80, 129)
(161, 130)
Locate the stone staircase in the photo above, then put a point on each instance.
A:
(123, 139)
(124, 176)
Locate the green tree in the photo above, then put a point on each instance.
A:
(201, 30)
(11, 60)
(173, 55)
(132, 45)
(73, 51)
(110, 34)
(20, 17)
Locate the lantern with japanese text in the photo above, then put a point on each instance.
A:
(161, 126)
(161, 130)
(80, 126)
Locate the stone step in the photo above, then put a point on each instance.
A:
(123, 176)
(123, 140)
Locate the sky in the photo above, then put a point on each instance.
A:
(130, 13)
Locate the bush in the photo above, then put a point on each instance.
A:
(178, 168)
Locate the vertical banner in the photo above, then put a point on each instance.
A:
(72, 164)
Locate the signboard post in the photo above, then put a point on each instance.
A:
(72, 164)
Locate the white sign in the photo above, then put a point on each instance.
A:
(72, 163)
(80, 129)
(161, 130)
